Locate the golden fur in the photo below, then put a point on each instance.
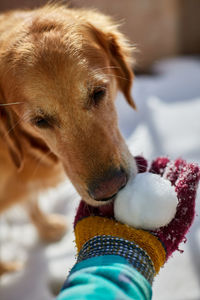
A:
(52, 59)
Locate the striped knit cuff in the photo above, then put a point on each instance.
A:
(92, 226)
(109, 245)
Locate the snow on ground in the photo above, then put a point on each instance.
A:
(167, 123)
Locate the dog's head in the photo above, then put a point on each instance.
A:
(65, 67)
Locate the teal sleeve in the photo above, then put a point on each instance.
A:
(105, 277)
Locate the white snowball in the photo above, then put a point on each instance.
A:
(147, 202)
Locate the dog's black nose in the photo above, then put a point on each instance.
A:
(104, 189)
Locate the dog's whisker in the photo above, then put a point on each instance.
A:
(40, 161)
(24, 118)
(117, 76)
(105, 68)
(113, 75)
(12, 103)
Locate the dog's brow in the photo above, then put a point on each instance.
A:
(95, 82)
(53, 119)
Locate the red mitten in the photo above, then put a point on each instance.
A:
(185, 177)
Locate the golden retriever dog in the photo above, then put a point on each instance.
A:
(60, 70)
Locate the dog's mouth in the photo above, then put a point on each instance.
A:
(112, 198)
(108, 199)
(107, 209)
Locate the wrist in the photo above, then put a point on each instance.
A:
(110, 246)
(93, 226)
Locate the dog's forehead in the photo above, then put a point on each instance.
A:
(69, 80)
(61, 67)
(59, 90)
(65, 48)
(65, 76)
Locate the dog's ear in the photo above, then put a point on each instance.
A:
(9, 132)
(120, 55)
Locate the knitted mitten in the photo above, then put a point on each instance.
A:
(185, 178)
(98, 233)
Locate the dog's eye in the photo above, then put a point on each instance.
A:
(97, 95)
(42, 123)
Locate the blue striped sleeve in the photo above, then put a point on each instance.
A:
(105, 277)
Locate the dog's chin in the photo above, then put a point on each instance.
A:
(101, 208)
(100, 203)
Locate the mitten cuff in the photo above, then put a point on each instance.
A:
(93, 226)
(109, 245)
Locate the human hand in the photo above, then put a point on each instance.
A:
(91, 222)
